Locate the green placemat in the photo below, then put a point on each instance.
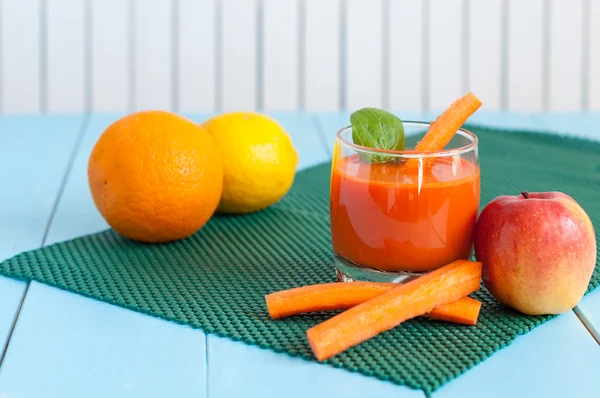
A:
(216, 280)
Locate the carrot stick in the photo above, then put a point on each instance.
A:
(341, 296)
(464, 311)
(441, 131)
(417, 297)
(323, 297)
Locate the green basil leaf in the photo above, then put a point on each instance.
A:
(379, 129)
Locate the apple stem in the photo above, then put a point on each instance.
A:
(525, 194)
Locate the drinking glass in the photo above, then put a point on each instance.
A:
(397, 214)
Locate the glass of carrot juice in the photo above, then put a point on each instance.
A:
(397, 214)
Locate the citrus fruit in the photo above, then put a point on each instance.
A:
(259, 160)
(155, 176)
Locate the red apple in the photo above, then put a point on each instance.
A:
(538, 251)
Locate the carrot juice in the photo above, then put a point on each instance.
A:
(393, 218)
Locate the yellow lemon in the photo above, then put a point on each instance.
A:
(259, 160)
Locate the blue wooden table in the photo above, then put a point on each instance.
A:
(58, 344)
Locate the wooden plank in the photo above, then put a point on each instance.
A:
(484, 68)
(593, 68)
(66, 43)
(196, 50)
(445, 53)
(32, 182)
(11, 294)
(583, 125)
(525, 55)
(21, 62)
(575, 124)
(31, 186)
(534, 365)
(76, 213)
(566, 46)
(588, 312)
(152, 47)
(510, 120)
(280, 55)
(111, 56)
(406, 47)
(65, 341)
(75, 347)
(322, 55)
(238, 63)
(364, 54)
(234, 371)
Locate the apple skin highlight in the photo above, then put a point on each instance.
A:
(538, 253)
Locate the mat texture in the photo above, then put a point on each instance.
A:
(216, 280)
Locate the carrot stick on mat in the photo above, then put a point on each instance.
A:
(417, 297)
(341, 296)
(464, 311)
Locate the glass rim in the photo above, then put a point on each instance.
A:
(410, 154)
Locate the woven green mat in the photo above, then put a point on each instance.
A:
(216, 280)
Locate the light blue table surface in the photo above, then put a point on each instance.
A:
(58, 344)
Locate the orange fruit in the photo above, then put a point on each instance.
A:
(155, 176)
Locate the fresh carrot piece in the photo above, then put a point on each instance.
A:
(341, 296)
(442, 130)
(417, 297)
(464, 311)
(323, 297)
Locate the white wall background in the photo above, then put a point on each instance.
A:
(324, 55)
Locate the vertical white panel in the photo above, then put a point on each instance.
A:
(525, 54)
(364, 50)
(110, 55)
(406, 55)
(21, 49)
(66, 56)
(239, 54)
(322, 55)
(280, 54)
(445, 52)
(485, 52)
(565, 55)
(196, 51)
(153, 54)
(593, 88)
